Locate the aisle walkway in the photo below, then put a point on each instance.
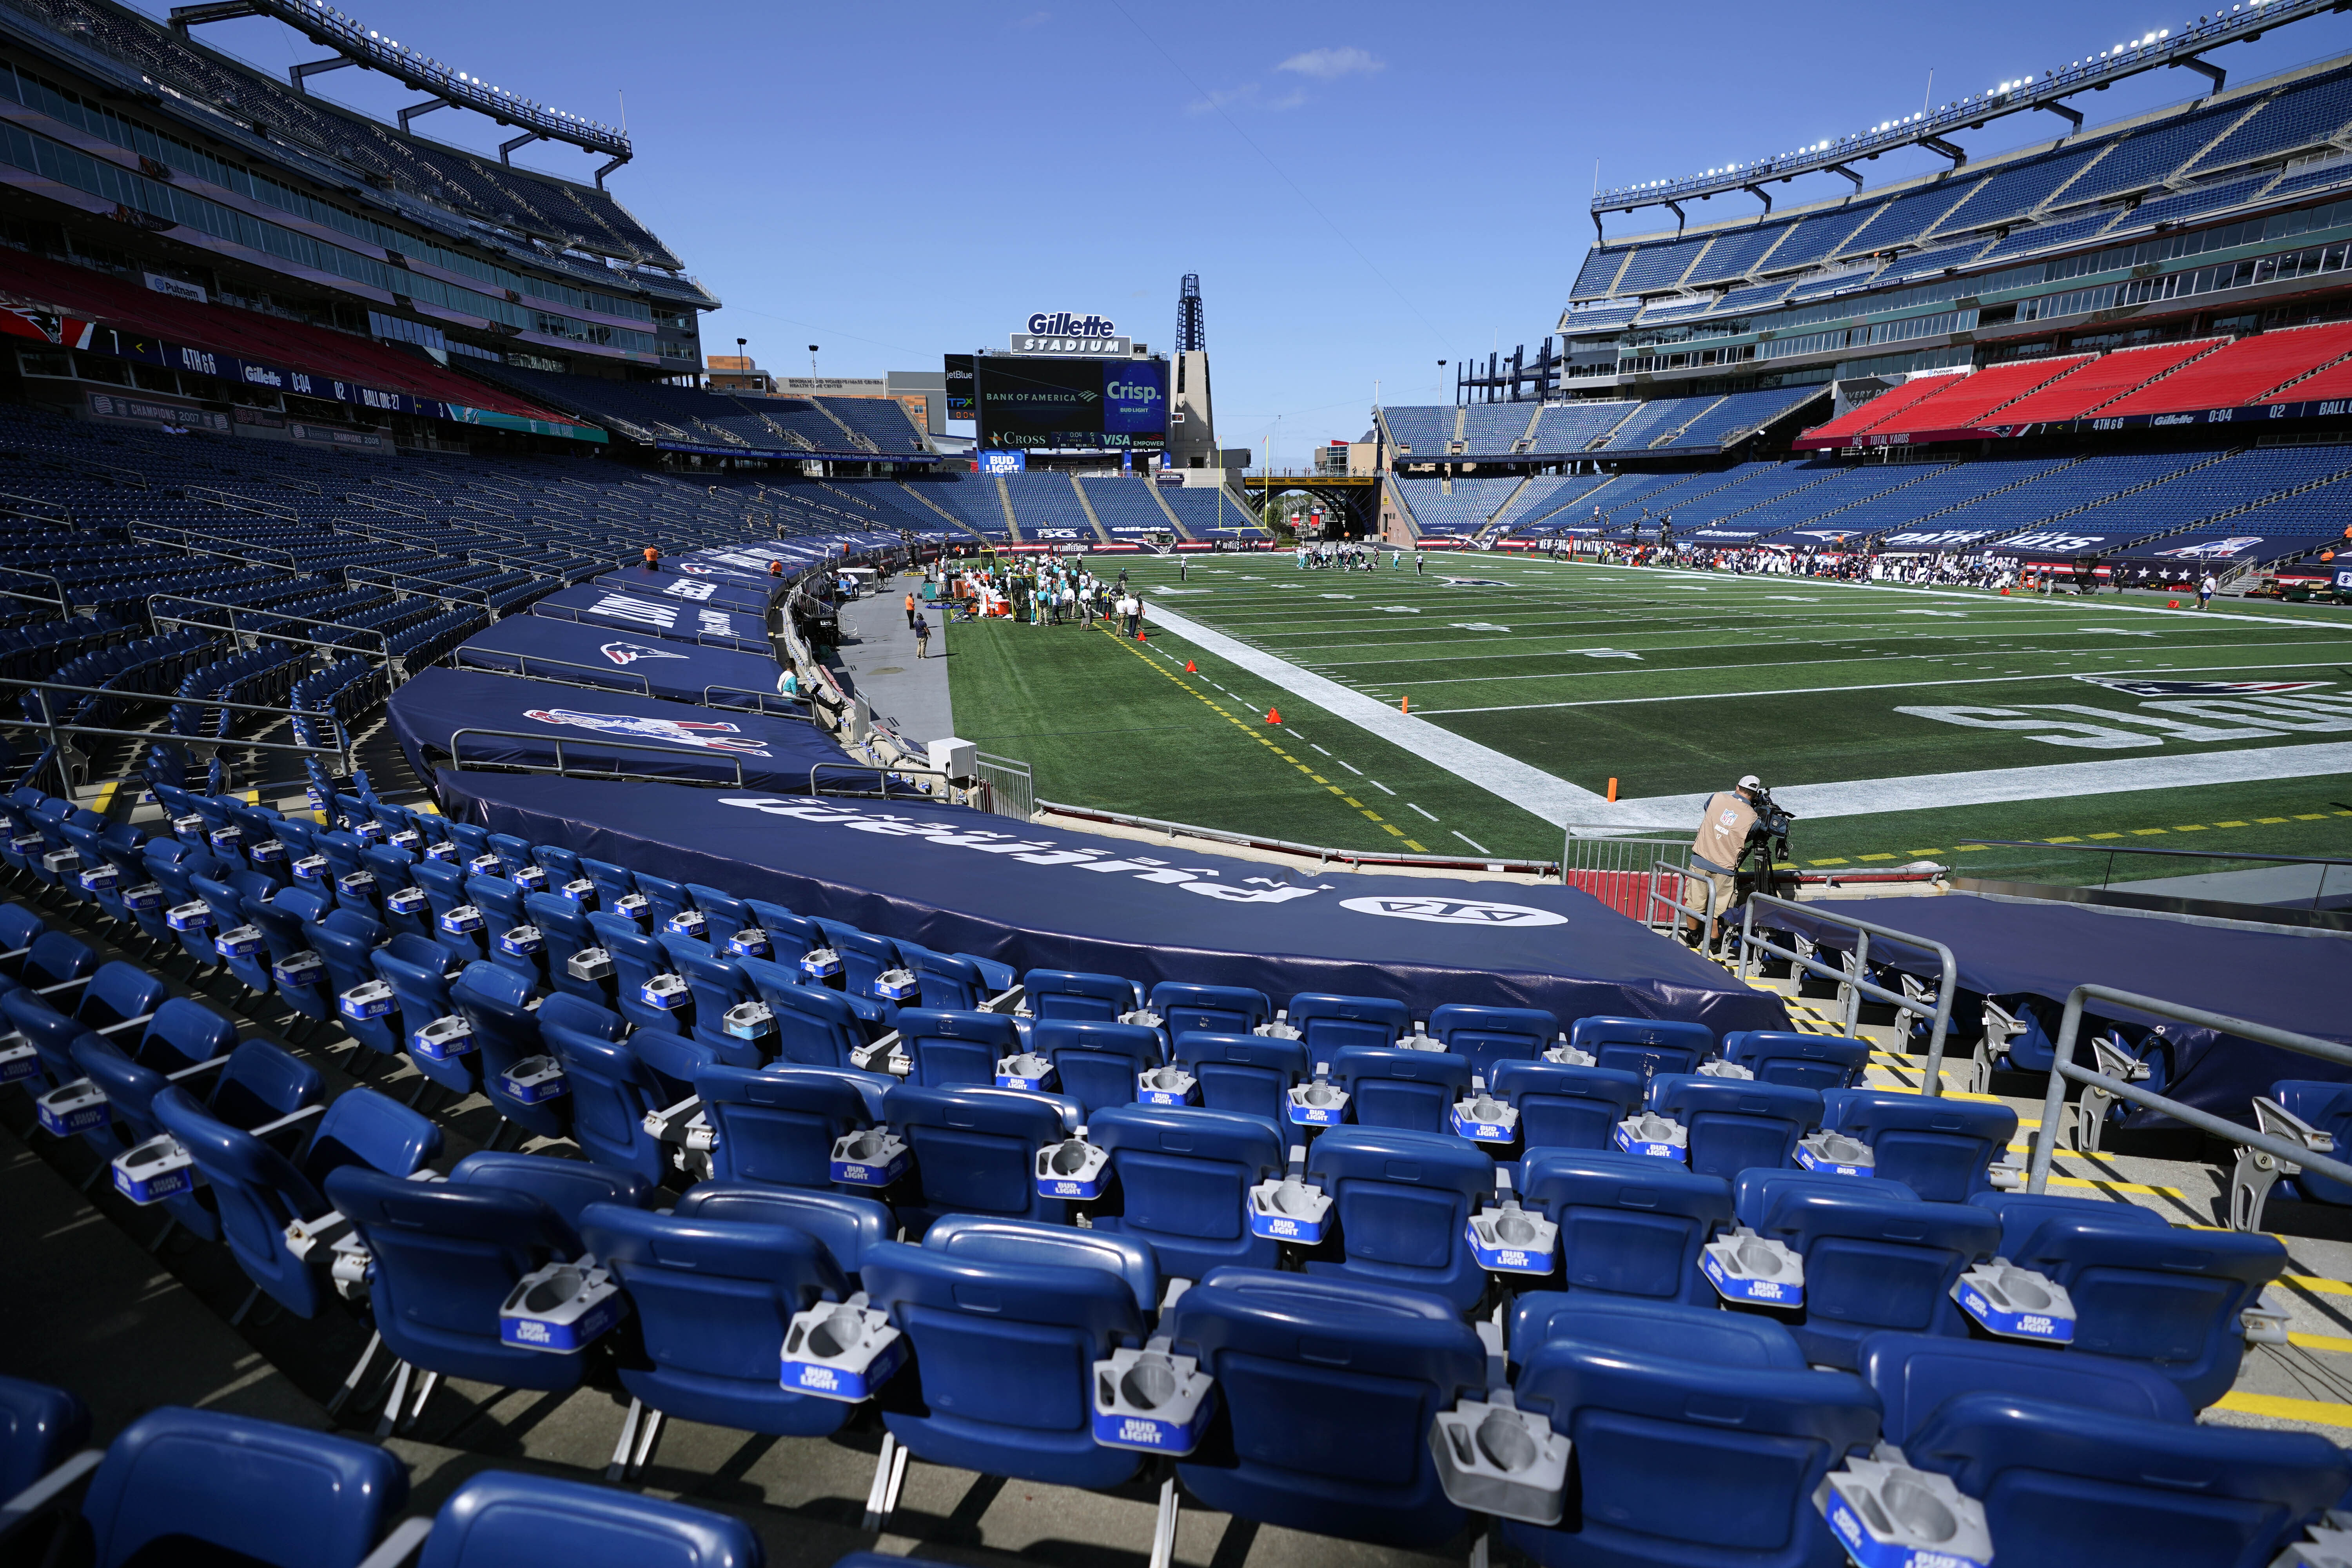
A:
(877, 661)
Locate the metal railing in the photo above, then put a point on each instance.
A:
(65, 607)
(159, 619)
(2064, 1070)
(760, 702)
(561, 768)
(1853, 986)
(1007, 788)
(1322, 854)
(464, 658)
(70, 758)
(2326, 863)
(876, 770)
(1621, 872)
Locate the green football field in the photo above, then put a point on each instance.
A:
(1489, 703)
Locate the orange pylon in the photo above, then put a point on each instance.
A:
(1274, 716)
(1188, 669)
(1404, 703)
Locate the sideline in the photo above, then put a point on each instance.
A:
(1531, 789)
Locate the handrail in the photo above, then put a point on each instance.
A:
(165, 697)
(764, 698)
(156, 618)
(2174, 854)
(558, 742)
(2063, 1070)
(65, 607)
(646, 687)
(351, 575)
(1857, 987)
(875, 768)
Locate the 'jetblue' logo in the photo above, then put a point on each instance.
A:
(709, 737)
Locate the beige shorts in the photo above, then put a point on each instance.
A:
(1708, 890)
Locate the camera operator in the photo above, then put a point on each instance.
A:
(1714, 856)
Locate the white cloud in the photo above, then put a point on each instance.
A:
(1329, 65)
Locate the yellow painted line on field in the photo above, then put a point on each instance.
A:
(2318, 1284)
(2320, 1412)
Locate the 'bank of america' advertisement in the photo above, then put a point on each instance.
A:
(1042, 404)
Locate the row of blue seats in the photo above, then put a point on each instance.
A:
(189, 1485)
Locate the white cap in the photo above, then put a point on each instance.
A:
(1750, 780)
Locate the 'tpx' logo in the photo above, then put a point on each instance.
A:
(1455, 911)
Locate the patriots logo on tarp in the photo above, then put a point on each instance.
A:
(2200, 688)
(630, 652)
(709, 737)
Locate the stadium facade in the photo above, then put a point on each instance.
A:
(2171, 286)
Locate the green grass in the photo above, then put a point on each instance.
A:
(1672, 684)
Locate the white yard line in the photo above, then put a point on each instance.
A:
(1530, 788)
(1992, 787)
(1422, 813)
(1345, 763)
(1470, 841)
(1380, 787)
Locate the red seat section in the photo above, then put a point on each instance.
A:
(1885, 405)
(1966, 399)
(2241, 372)
(226, 328)
(2099, 384)
(2335, 381)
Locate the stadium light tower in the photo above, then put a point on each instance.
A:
(1192, 326)
(812, 361)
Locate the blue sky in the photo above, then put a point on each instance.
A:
(1364, 188)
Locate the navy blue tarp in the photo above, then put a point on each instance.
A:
(651, 666)
(961, 882)
(776, 752)
(693, 583)
(660, 616)
(2288, 980)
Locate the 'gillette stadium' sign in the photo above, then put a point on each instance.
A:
(1068, 332)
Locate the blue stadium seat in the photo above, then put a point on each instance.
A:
(955, 1046)
(1403, 1202)
(443, 1257)
(259, 1192)
(191, 1485)
(1650, 1327)
(850, 1226)
(1876, 1256)
(1005, 1330)
(1250, 1075)
(501, 903)
(716, 985)
(1565, 1106)
(1735, 1124)
(1685, 1463)
(1395, 1085)
(1942, 1149)
(564, 926)
(1643, 1045)
(955, 982)
(566, 1186)
(1184, 1176)
(1070, 993)
(778, 1127)
(444, 892)
(975, 1151)
(41, 1429)
(497, 1004)
(1213, 1009)
(259, 1088)
(636, 960)
(611, 1092)
(1490, 1037)
(418, 970)
(1629, 1225)
(2326, 1105)
(1327, 1023)
(2153, 1293)
(1914, 1373)
(814, 1026)
(1096, 1062)
(2060, 1484)
(498, 1519)
(1819, 1062)
(1328, 1387)
(711, 1298)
